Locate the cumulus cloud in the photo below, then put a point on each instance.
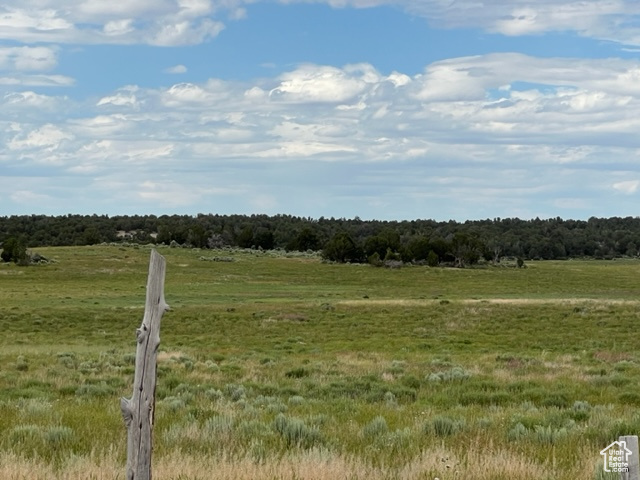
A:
(177, 69)
(491, 124)
(28, 58)
(188, 22)
(36, 80)
(603, 19)
(122, 26)
(628, 187)
(313, 83)
(163, 22)
(29, 101)
(119, 100)
(47, 137)
(185, 32)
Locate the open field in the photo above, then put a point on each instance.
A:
(288, 368)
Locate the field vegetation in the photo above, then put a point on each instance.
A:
(281, 366)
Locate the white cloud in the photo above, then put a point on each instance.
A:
(556, 130)
(31, 18)
(613, 20)
(29, 100)
(27, 59)
(188, 22)
(177, 69)
(119, 100)
(185, 93)
(48, 137)
(194, 8)
(628, 187)
(122, 26)
(37, 80)
(33, 199)
(313, 83)
(185, 32)
(157, 22)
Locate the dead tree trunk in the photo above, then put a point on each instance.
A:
(138, 411)
(633, 470)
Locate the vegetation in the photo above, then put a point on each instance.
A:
(344, 240)
(14, 250)
(278, 365)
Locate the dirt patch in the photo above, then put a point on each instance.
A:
(166, 356)
(612, 357)
(495, 301)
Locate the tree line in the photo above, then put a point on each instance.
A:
(342, 240)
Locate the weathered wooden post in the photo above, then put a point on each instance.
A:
(631, 442)
(138, 411)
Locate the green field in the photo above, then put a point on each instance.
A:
(284, 367)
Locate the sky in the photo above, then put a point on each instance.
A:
(380, 109)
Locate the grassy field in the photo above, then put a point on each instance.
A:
(275, 367)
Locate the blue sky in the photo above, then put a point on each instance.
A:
(396, 109)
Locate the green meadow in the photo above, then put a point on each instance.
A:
(276, 366)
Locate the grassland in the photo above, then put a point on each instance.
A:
(275, 367)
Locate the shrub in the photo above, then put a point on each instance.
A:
(297, 373)
(296, 433)
(94, 390)
(58, 436)
(21, 364)
(214, 394)
(390, 399)
(296, 400)
(376, 427)
(580, 410)
(559, 400)
(549, 435)
(25, 434)
(235, 392)
(518, 431)
(445, 426)
(14, 250)
(455, 374)
(375, 260)
(218, 425)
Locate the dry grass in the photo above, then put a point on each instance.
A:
(403, 302)
(475, 464)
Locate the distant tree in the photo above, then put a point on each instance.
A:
(197, 236)
(495, 250)
(91, 236)
(385, 240)
(466, 249)
(164, 234)
(432, 259)
(391, 256)
(417, 249)
(14, 250)
(342, 248)
(245, 237)
(305, 239)
(215, 241)
(375, 260)
(263, 239)
(440, 247)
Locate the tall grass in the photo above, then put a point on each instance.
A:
(276, 367)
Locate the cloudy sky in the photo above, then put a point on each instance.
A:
(382, 109)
